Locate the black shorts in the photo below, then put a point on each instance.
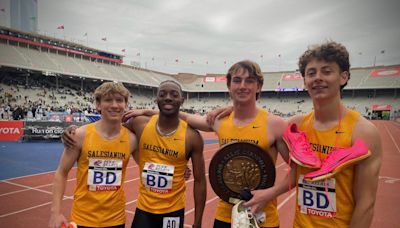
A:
(220, 224)
(149, 220)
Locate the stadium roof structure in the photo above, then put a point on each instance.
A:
(54, 39)
(32, 52)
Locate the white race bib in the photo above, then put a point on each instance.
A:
(158, 177)
(314, 198)
(170, 222)
(104, 175)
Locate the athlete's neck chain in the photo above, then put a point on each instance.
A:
(165, 134)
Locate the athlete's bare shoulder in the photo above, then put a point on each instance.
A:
(137, 124)
(80, 132)
(365, 129)
(296, 119)
(276, 125)
(133, 141)
(193, 135)
(275, 119)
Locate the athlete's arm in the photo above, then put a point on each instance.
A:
(196, 121)
(218, 113)
(138, 112)
(366, 175)
(200, 187)
(136, 125)
(134, 146)
(276, 127)
(67, 137)
(262, 197)
(68, 158)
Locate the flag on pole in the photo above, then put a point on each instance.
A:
(138, 54)
(123, 50)
(152, 58)
(176, 60)
(383, 52)
(85, 34)
(261, 56)
(279, 55)
(60, 27)
(207, 62)
(3, 10)
(104, 39)
(225, 62)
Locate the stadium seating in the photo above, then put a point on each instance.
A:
(204, 95)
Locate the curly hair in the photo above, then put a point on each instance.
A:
(329, 52)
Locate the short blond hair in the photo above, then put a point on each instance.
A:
(109, 88)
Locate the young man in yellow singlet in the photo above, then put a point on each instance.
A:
(166, 143)
(346, 199)
(246, 123)
(102, 152)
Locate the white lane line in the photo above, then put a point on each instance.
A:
(130, 212)
(26, 209)
(389, 180)
(286, 199)
(27, 187)
(192, 210)
(207, 202)
(391, 136)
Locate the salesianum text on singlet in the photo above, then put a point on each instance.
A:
(105, 154)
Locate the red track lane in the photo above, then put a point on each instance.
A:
(25, 201)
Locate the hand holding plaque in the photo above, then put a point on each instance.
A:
(240, 165)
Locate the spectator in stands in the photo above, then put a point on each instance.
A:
(33, 111)
(18, 113)
(102, 152)
(2, 110)
(325, 70)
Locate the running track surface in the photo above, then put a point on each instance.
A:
(25, 200)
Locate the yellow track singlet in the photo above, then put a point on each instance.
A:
(254, 132)
(316, 207)
(99, 198)
(162, 164)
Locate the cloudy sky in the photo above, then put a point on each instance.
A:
(207, 36)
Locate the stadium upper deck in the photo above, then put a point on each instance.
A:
(49, 56)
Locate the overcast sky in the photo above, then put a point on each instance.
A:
(204, 34)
